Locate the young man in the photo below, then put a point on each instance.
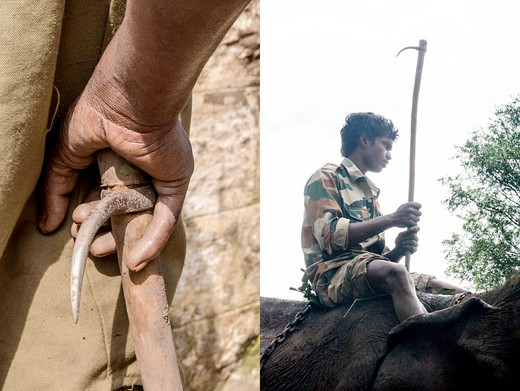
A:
(343, 229)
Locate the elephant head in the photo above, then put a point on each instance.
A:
(471, 345)
(325, 346)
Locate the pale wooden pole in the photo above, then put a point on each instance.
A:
(413, 126)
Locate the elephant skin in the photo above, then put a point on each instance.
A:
(471, 345)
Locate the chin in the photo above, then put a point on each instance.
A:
(377, 169)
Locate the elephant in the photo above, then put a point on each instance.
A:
(465, 342)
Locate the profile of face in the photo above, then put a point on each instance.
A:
(376, 153)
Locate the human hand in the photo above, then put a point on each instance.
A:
(131, 105)
(407, 215)
(407, 241)
(94, 122)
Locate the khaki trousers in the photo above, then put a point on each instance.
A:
(46, 47)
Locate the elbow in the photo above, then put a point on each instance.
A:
(340, 236)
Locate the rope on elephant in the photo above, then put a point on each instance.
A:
(277, 341)
(457, 299)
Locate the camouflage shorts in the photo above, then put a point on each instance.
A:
(350, 281)
(423, 282)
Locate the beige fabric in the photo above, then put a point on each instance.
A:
(422, 281)
(29, 35)
(40, 346)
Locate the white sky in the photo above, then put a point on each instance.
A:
(323, 59)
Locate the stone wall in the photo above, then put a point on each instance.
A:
(216, 315)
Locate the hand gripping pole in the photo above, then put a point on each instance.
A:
(127, 199)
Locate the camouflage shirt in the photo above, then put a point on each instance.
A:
(336, 196)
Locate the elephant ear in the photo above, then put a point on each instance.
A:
(469, 346)
(446, 318)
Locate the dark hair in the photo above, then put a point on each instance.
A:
(364, 124)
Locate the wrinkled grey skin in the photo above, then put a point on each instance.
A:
(474, 345)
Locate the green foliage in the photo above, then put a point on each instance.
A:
(487, 198)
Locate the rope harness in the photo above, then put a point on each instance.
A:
(457, 299)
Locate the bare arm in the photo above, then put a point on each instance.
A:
(165, 43)
(131, 105)
(360, 231)
(407, 215)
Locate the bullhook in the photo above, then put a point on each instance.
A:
(413, 127)
(127, 199)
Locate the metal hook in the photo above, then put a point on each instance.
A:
(420, 48)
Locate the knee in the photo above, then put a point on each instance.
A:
(397, 278)
(389, 277)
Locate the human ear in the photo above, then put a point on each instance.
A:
(364, 141)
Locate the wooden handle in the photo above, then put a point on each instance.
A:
(144, 291)
(413, 124)
(413, 127)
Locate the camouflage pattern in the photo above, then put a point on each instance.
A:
(423, 282)
(347, 282)
(336, 196)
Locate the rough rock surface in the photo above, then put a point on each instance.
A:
(216, 307)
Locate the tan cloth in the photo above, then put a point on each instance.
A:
(40, 346)
(423, 282)
(29, 36)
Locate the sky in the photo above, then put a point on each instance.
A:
(323, 59)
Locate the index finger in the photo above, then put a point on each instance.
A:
(57, 183)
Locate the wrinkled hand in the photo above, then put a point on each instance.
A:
(95, 122)
(407, 215)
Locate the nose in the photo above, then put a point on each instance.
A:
(388, 155)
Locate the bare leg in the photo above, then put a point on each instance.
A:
(439, 286)
(393, 279)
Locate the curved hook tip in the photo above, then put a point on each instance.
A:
(420, 48)
(129, 201)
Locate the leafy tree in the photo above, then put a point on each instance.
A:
(487, 198)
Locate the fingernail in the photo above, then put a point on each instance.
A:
(137, 267)
(42, 220)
